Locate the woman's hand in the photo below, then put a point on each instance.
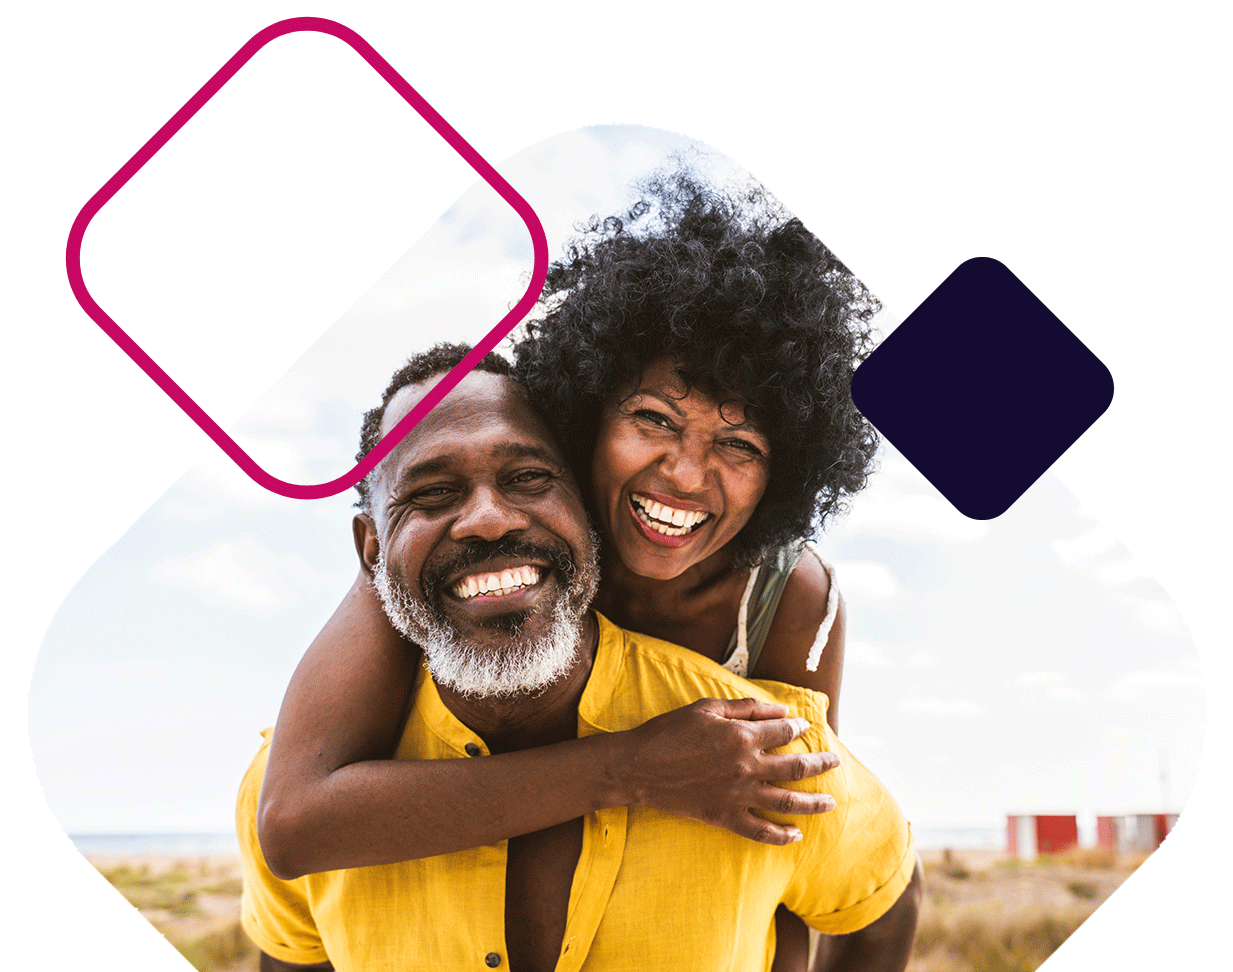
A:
(709, 761)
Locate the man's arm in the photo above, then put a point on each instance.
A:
(884, 946)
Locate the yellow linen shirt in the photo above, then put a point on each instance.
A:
(650, 892)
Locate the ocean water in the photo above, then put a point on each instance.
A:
(960, 838)
(189, 845)
(205, 845)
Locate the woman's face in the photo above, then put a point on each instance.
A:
(674, 478)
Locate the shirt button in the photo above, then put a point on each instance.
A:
(474, 750)
(492, 960)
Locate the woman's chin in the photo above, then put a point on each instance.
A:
(644, 557)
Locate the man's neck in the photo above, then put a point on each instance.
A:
(526, 721)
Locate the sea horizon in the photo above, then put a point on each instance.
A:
(990, 838)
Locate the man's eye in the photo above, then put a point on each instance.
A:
(530, 477)
(432, 494)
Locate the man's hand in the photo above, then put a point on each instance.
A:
(709, 761)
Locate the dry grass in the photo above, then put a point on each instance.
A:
(195, 906)
(983, 913)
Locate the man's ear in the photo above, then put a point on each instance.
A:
(367, 543)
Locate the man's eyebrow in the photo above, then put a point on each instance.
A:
(429, 467)
(506, 450)
(525, 450)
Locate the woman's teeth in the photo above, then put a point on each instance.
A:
(666, 520)
(498, 583)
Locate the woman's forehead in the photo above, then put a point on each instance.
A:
(671, 381)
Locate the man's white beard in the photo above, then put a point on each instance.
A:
(523, 666)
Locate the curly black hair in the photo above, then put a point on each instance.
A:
(753, 307)
(437, 360)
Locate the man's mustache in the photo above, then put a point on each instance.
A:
(481, 551)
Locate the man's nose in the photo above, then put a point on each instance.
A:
(488, 515)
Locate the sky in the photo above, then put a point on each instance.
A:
(1025, 664)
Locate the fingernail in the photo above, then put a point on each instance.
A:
(799, 724)
(796, 836)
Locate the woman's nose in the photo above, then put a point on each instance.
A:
(685, 467)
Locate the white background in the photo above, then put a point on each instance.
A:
(1083, 145)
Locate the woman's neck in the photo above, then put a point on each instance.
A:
(697, 608)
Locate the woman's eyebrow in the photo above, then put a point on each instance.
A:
(666, 399)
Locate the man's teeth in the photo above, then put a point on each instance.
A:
(497, 583)
(665, 519)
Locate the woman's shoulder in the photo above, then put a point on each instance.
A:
(808, 622)
(810, 598)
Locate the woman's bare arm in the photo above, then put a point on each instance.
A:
(802, 609)
(333, 797)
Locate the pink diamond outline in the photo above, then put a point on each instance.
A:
(443, 128)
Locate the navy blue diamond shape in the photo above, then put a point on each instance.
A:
(982, 388)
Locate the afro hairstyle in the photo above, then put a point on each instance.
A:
(754, 309)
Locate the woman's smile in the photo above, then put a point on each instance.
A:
(676, 475)
(665, 524)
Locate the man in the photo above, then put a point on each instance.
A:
(480, 548)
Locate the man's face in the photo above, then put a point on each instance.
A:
(486, 558)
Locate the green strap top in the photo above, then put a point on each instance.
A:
(759, 604)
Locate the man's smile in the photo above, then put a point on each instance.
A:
(497, 583)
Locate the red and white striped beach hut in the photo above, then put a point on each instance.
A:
(1028, 835)
(1133, 833)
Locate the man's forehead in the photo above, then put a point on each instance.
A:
(482, 405)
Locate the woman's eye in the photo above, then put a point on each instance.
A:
(655, 418)
(744, 445)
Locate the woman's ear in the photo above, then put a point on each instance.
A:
(367, 543)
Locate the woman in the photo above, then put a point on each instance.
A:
(695, 359)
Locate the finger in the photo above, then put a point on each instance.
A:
(763, 831)
(775, 799)
(754, 709)
(773, 733)
(797, 766)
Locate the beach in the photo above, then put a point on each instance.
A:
(194, 901)
(982, 911)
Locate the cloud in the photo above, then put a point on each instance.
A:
(941, 708)
(1151, 683)
(290, 456)
(866, 747)
(901, 505)
(864, 654)
(1158, 615)
(863, 580)
(1053, 686)
(922, 658)
(239, 574)
(1100, 554)
(120, 671)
